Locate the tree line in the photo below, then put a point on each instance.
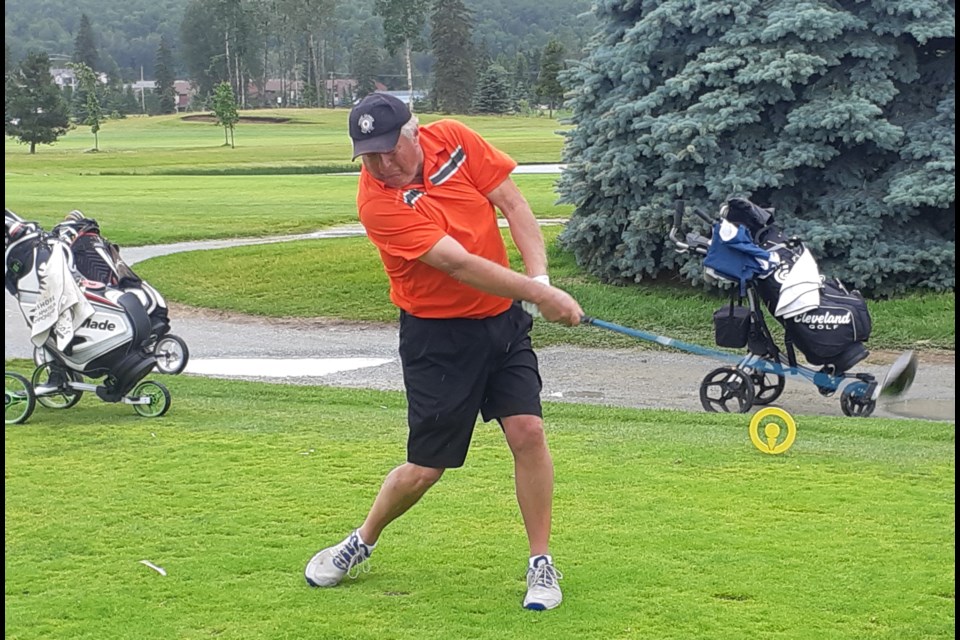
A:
(294, 41)
(280, 37)
(233, 45)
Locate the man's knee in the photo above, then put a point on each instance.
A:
(422, 478)
(524, 433)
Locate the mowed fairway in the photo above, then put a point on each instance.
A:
(668, 525)
(166, 179)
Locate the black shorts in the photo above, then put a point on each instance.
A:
(455, 369)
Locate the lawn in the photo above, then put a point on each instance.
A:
(667, 525)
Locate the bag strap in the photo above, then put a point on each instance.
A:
(734, 296)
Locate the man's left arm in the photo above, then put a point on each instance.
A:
(524, 227)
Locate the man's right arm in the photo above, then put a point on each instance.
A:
(449, 256)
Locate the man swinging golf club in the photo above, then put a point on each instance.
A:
(428, 198)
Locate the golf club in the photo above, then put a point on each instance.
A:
(662, 340)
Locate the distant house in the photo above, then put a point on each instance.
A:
(67, 78)
(186, 92)
(277, 92)
(64, 78)
(183, 88)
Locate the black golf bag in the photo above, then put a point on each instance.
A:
(94, 331)
(823, 319)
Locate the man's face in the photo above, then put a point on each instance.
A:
(399, 167)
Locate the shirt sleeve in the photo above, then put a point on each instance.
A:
(487, 165)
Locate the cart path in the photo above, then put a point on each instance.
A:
(355, 355)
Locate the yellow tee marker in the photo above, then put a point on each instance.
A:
(770, 442)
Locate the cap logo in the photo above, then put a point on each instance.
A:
(365, 123)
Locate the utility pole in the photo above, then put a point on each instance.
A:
(143, 105)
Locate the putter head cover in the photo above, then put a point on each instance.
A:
(15, 227)
(900, 376)
(743, 212)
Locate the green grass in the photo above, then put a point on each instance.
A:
(165, 179)
(311, 137)
(667, 525)
(134, 211)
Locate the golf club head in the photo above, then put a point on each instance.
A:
(900, 376)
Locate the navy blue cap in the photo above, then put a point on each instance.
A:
(375, 123)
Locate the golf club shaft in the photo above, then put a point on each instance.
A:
(662, 340)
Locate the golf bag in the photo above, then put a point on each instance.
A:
(86, 328)
(823, 319)
(98, 260)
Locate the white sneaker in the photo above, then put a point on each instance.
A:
(349, 558)
(543, 587)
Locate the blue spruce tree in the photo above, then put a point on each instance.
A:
(839, 114)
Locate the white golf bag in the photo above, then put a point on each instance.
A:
(89, 328)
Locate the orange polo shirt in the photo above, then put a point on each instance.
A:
(459, 169)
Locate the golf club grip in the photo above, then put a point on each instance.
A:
(678, 214)
(703, 216)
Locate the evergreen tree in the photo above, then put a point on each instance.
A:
(76, 99)
(838, 114)
(35, 112)
(493, 91)
(521, 88)
(364, 61)
(85, 45)
(202, 49)
(453, 68)
(548, 86)
(87, 86)
(163, 73)
(8, 77)
(225, 109)
(131, 103)
(114, 97)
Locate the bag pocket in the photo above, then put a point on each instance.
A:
(731, 324)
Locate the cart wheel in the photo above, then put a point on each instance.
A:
(727, 390)
(51, 386)
(172, 354)
(157, 394)
(18, 399)
(768, 386)
(854, 401)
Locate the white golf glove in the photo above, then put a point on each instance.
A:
(531, 307)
